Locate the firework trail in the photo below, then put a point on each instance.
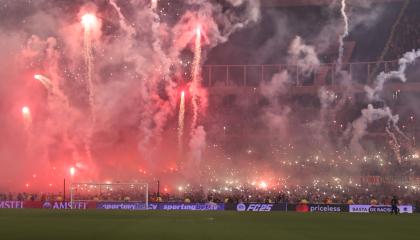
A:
(196, 76)
(52, 88)
(88, 21)
(157, 43)
(27, 117)
(123, 22)
(395, 146)
(181, 117)
(154, 4)
(344, 34)
(45, 81)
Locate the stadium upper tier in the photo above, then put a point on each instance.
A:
(379, 30)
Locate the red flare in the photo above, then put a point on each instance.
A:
(72, 171)
(88, 20)
(198, 30)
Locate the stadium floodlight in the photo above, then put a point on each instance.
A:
(111, 193)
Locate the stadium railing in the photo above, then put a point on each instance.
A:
(326, 74)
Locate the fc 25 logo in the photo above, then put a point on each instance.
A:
(254, 207)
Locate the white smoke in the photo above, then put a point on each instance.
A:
(276, 115)
(135, 56)
(302, 55)
(373, 93)
(360, 125)
(197, 146)
(277, 86)
(371, 114)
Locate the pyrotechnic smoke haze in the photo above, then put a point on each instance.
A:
(107, 91)
(116, 90)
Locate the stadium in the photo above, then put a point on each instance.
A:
(220, 119)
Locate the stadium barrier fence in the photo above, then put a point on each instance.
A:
(284, 207)
(240, 207)
(328, 208)
(114, 205)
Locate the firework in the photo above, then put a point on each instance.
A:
(45, 81)
(154, 4)
(195, 73)
(344, 34)
(395, 146)
(72, 171)
(27, 118)
(181, 117)
(126, 113)
(89, 21)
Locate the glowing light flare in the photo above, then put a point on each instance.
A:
(37, 77)
(200, 35)
(154, 4)
(198, 31)
(27, 118)
(72, 171)
(89, 20)
(263, 185)
(44, 80)
(26, 111)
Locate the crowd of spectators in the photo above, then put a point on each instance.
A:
(25, 196)
(379, 195)
(316, 195)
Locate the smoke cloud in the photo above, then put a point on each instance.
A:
(135, 55)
